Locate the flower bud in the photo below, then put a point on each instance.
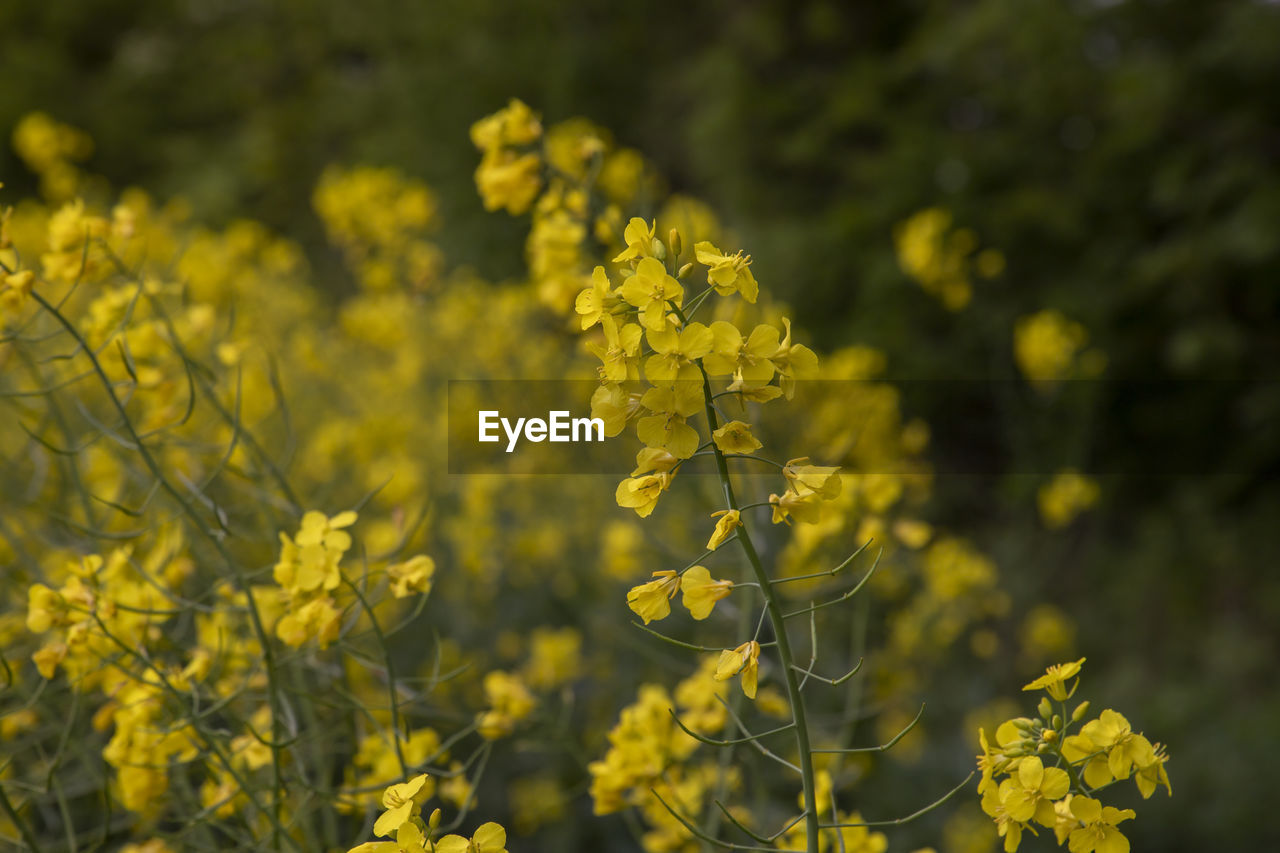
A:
(1080, 711)
(1045, 709)
(1056, 722)
(659, 250)
(684, 270)
(673, 240)
(1042, 748)
(1049, 736)
(434, 820)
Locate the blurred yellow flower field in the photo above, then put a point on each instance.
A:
(246, 606)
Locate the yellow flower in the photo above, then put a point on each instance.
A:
(649, 289)
(651, 600)
(488, 838)
(594, 302)
(987, 762)
(47, 658)
(729, 521)
(666, 428)
(1054, 679)
(701, 592)
(745, 659)
(400, 801)
(1124, 747)
(793, 362)
(1066, 821)
(654, 460)
(309, 562)
(675, 352)
(1064, 497)
(736, 437)
(1029, 793)
(45, 608)
(14, 289)
(1153, 774)
(1047, 346)
(555, 657)
(639, 237)
(642, 493)
(1006, 827)
(728, 273)
(318, 618)
(610, 402)
(822, 480)
(515, 124)
(1099, 833)
(409, 839)
(732, 354)
(788, 505)
(509, 703)
(507, 180)
(413, 575)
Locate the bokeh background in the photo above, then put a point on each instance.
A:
(1124, 157)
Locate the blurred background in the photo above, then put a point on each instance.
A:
(1123, 158)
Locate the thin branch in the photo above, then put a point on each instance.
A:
(884, 747)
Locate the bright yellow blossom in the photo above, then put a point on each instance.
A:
(639, 237)
(642, 493)
(1124, 747)
(411, 576)
(1099, 833)
(675, 352)
(651, 600)
(701, 592)
(401, 801)
(1029, 793)
(650, 288)
(732, 354)
(822, 480)
(488, 838)
(744, 660)
(319, 618)
(594, 302)
(793, 362)
(729, 521)
(1054, 679)
(728, 273)
(515, 124)
(736, 437)
(620, 354)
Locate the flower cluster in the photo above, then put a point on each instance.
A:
(309, 573)
(1052, 776)
(402, 821)
(1049, 348)
(943, 259)
(647, 743)
(508, 176)
(1064, 497)
(52, 149)
(378, 218)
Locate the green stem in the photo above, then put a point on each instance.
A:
(778, 621)
(27, 835)
(259, 629)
